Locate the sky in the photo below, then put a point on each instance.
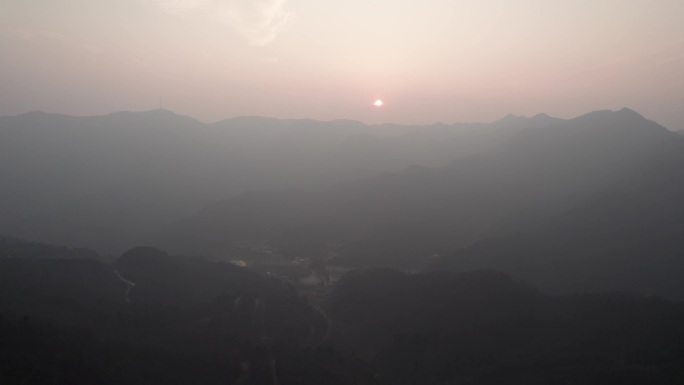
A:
(429, 61)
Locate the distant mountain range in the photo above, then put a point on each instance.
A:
(578, 193)
(586, 203)
(106, 181)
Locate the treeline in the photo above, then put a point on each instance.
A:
(484, 328)
(77, 321)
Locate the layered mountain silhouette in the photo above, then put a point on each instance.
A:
(105, 182)
(584, 203)
(608, 181)
(463, 254)
(626, 237)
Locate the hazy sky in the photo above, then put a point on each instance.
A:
(429, 60)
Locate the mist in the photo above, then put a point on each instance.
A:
(370, 192)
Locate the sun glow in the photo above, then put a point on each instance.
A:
(378, 103)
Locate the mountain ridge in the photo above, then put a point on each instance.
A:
(105, 182)
(166, 112)
(404, 218)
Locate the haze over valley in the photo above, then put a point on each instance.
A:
(296, 192)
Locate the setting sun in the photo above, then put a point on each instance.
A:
(378, 103)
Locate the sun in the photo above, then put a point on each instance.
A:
(378, 103)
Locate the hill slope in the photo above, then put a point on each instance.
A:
(484, 328)
(106, 181)
(404, 219)
(626, 238)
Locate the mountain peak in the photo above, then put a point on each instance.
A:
(608, 114)
(511, 118)
(153, 115)
(157, 112)
(40, 114)
(630, 112)
(522, 121)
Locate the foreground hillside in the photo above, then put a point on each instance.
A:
(484, 328)
(154, 318)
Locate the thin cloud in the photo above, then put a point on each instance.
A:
(182, 7)
(258, 21)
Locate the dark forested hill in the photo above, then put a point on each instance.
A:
(76, 291)
(484, 328)
(106, 181)
(155, 318)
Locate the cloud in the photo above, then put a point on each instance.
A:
(258, 21)
(182, 7)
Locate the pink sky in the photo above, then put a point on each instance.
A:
(448, 61)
